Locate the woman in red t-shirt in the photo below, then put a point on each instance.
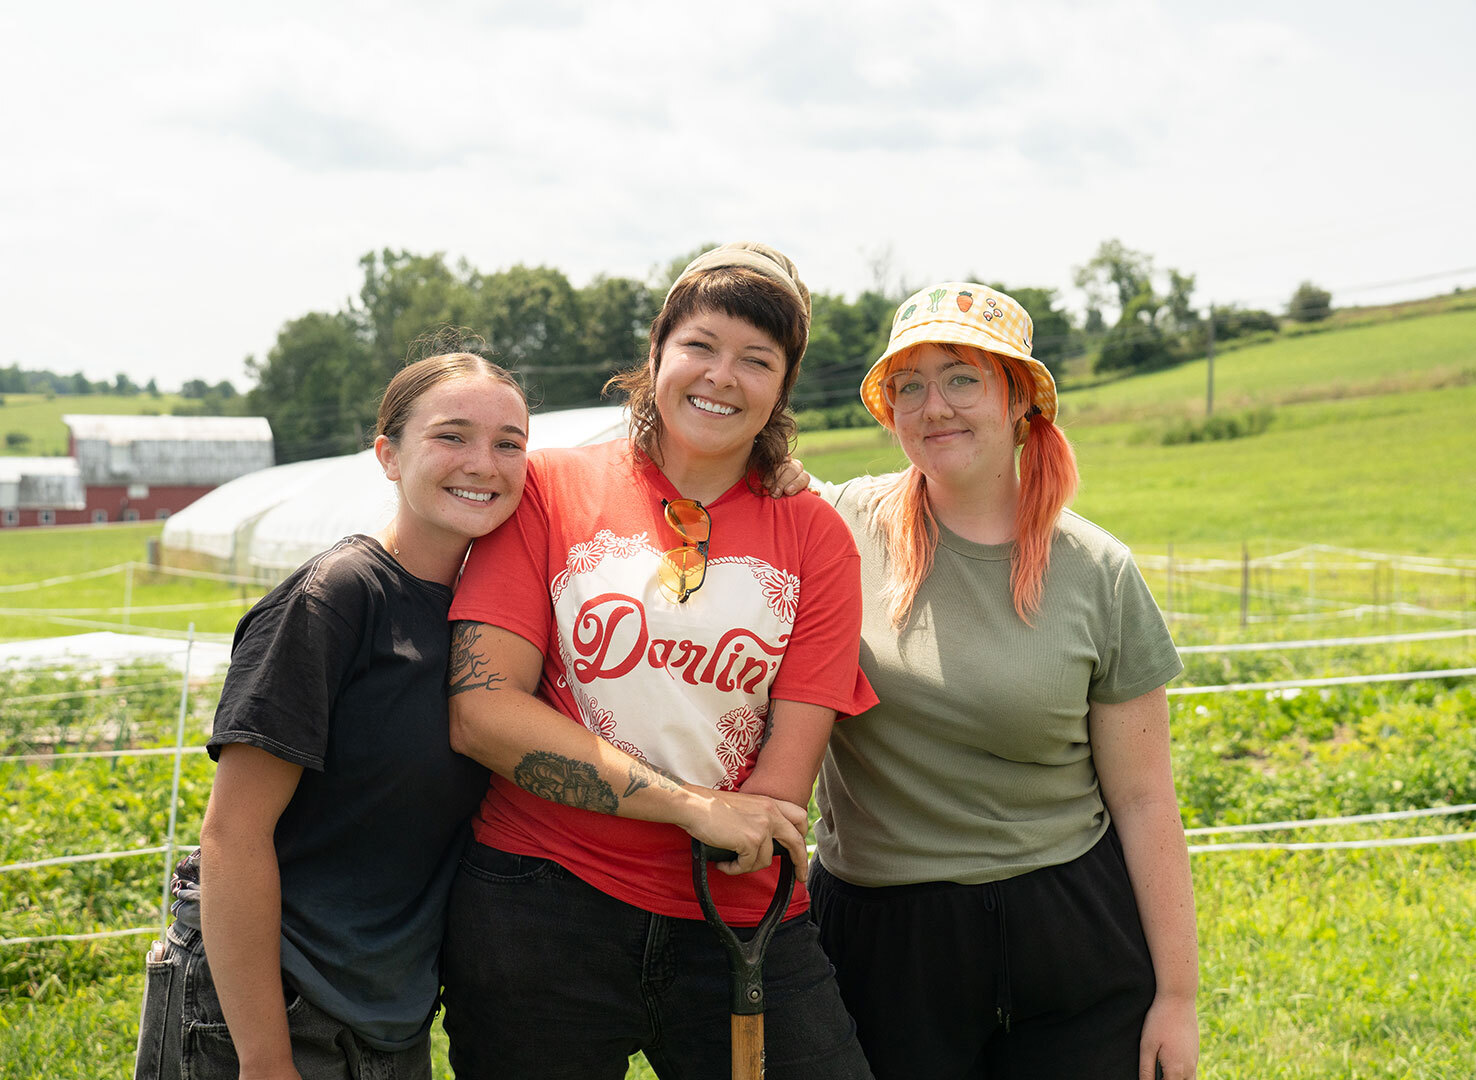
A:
(654, 650)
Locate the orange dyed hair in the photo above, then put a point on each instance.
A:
(1048, 479)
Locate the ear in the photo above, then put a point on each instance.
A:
(389, 457)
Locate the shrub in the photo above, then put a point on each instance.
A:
(1309, 303)
(1216, 428)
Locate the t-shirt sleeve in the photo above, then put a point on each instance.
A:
(822, 665)
(289, 661)
(505, 583)
(1140, 655)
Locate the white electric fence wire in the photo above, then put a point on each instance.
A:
(1336, 680)
(27, 586)
(128, 628)
(1324, 643)
(91, 856)
(1351, 819)
(105, 691)
(156, 752)
(1338, 845)
(127, 609)
(76, 937)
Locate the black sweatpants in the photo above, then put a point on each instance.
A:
(1042, 975)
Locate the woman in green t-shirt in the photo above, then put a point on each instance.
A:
(1002, 881)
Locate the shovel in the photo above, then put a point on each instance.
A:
(745, 959)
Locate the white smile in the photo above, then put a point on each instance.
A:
(474, 496)
(712, 406)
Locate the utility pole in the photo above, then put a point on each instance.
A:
(1209, 356)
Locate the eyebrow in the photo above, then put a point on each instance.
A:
(456, 421)
(755, 347)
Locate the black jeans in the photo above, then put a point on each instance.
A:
(1042, 975)
(548, 977)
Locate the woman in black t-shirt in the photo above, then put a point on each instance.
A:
(308, 925)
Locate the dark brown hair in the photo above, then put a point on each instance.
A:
(744, 294)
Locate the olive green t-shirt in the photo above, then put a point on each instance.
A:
(976, 765)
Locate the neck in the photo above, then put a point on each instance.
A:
(981, 511)
(431, 557)
(703, 479)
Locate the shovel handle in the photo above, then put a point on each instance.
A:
(745, 958)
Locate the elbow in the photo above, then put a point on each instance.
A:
(460, 730)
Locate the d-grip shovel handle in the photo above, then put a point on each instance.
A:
(745, 958)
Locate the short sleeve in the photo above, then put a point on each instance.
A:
(822, 665)
(1139, 653)
(505, 583)
(288, 663)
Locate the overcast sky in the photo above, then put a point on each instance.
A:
(179, 180)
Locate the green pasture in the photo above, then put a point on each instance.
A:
(1313, 963)
(31, 605)
(1382, 358)
(1389, 472)
(39, 417)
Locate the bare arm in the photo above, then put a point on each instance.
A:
(1130, 748)
(790, 759)
(497, 720)
(241, 904)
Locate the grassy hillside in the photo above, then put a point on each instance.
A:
(1369, 445)
(39, 417)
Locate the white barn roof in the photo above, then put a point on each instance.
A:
(41, 483)
(272, 521)
(169, 450)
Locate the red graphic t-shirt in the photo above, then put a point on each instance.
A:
(684, 686)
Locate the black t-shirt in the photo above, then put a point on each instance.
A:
(342, 670)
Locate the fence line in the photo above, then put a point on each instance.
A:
(97, 691)
(157, 752)
(65, 579)
(1336, 680)
(1350, 819)
(1338, 845)
(1321, 643)
(130, 609)
(78, 937)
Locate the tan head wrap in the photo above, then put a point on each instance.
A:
(774, 265)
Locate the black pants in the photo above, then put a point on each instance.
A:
(1042, 975)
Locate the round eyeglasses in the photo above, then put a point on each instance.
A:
(961, 386)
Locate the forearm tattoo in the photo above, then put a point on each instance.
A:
(564, 780)
(643, 774)
(468, 669)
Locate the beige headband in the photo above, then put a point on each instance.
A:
(761, 258)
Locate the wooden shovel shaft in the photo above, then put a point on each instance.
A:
(748, 1047)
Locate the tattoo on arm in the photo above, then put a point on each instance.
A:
(468, 668)
(564, 780)
(644, 774)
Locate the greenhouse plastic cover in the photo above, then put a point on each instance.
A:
(273, 520)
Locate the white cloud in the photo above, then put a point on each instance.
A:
(180, 181)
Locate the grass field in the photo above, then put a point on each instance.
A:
(1339, 963)
(39, 417)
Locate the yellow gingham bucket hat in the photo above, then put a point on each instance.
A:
(961, 313)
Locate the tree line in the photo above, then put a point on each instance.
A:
(320, 382)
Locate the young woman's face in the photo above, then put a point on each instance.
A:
(717, 383)
(948, 415)
(461, 459)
